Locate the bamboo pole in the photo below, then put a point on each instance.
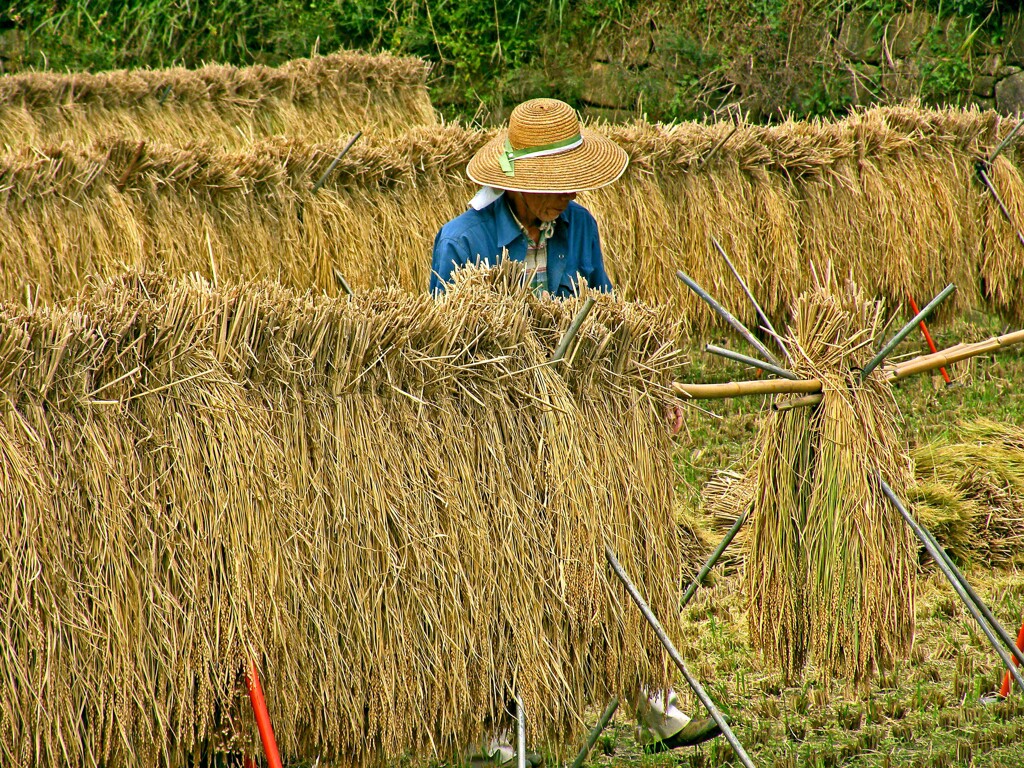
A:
(953, 354)
(902, 370)
(799, 402)
(741, 388)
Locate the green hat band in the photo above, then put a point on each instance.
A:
(507, 159)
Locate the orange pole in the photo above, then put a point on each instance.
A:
(928, 337)
(1005, 690)
(259, 709)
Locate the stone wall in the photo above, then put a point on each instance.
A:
(889, 62)
(867, 60)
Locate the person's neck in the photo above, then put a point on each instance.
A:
(531, 223)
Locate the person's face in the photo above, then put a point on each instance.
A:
(546, 206)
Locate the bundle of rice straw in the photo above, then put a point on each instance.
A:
(391, 505)
(889, 195)
(830, 570)
(970, 492)
(316, 99)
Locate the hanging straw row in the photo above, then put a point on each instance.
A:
(889, 195)
(314, 99)
(395, 506)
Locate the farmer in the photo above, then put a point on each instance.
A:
(529, 176)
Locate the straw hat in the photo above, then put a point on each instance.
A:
(544, 149)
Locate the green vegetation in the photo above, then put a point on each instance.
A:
(678, 60)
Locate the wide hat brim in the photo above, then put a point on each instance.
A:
(597, 162)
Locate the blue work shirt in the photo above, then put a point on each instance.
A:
(476, 236)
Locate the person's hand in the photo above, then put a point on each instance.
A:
(674, 417)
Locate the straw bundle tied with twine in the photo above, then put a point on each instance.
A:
(830, 569)
(395, 506)
(894, 181)
(314, 99)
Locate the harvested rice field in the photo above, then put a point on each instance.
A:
(214, 458)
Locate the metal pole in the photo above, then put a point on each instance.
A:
(1004, 689)
(999, 201)
(752, 361)
(334, 163)
(928, 338)
(737, 326)
(905, 330)
(606, 717)
(259, 710)
(757, 307)
(574, 327)
(1004, 142)
(342, 282)
(613, 705)
(940, 561)
(520, 733)
(717, 147)
(697, 688)
(703, 574)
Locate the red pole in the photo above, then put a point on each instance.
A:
(928, 337)
(1005, 690)
(259, 709)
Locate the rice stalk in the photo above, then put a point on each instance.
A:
(888, 194)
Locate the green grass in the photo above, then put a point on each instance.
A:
(926, 713)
